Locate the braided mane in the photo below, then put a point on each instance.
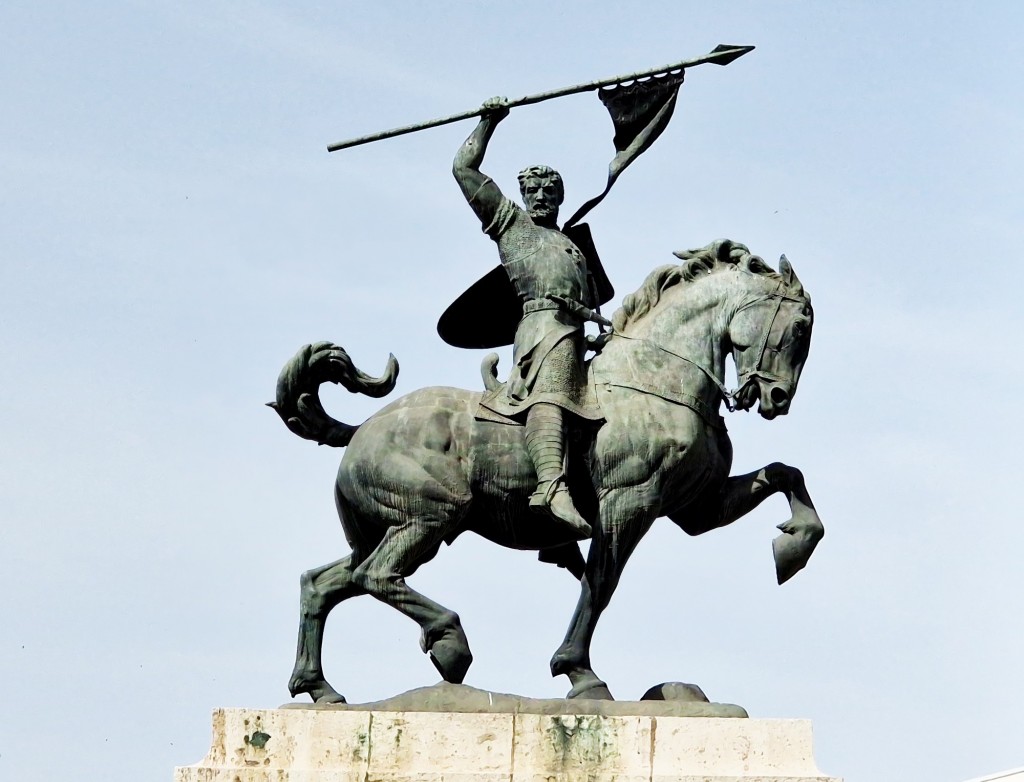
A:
(722, 254)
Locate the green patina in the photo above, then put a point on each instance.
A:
(258, 739)
(362, 747)
(582, 738)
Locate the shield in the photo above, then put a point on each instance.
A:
(488, 313)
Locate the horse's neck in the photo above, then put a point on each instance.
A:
(692, 320)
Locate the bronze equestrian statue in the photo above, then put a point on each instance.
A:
(433, 464)
(568, 448)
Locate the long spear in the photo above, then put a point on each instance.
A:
(722, 54)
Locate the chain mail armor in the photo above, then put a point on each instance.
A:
(547, 354)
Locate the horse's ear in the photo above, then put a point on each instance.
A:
(789, 276)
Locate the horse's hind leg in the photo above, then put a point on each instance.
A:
(742, 493)
(382, 574)
(321, 589)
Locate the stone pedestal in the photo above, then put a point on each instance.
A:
(560, 742)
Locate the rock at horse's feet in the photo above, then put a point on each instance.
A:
(676, 691)
(462, 699)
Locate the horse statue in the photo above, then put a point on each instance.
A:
(425, 469)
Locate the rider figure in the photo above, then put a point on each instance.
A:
(550, 276)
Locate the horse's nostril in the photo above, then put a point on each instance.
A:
(780, 397)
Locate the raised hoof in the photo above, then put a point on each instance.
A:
(590, 688)
(451, 657)
(795, 545)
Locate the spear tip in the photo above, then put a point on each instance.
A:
(728, 53)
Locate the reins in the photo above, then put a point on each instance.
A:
(729, 397)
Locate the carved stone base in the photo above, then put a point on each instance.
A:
(358, 744)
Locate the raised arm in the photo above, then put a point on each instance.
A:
(481, 193)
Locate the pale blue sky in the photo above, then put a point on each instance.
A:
(172, 230)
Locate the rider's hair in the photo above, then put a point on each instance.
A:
(542, 172)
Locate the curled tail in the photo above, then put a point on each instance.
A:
(298, 391)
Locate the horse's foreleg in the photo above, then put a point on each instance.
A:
(801, 532)
(623, 521)
(742, 493)
(382, 574)
(321, 589)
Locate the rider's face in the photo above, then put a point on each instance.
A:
(541, 198)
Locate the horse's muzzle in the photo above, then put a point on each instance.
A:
(775, 399)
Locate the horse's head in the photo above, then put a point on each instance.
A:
(770, 335)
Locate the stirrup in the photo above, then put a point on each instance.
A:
(541, 498)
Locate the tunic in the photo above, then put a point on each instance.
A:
(547, 354)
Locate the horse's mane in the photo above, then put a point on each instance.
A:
(722, 254)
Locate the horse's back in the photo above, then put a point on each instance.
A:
(439, 414)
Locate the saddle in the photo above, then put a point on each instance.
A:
(581, 427)
(496, 407)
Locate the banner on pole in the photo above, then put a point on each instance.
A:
(640, 111)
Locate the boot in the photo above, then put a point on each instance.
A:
(556, 502)
(545, 441)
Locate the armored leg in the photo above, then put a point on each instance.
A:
(545, 442)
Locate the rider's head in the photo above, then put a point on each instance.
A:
(541, 187)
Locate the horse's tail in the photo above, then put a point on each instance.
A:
(298, 391)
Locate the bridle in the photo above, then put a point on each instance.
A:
(758, 371)
(730, 397)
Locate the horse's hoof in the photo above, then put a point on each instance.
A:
(334, 697)
(451, 657)
(320, 692)
(590, 688)
(794, 547)
(566, 661)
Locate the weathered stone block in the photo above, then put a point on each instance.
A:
(500, 738)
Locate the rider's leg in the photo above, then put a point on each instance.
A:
(545, 442)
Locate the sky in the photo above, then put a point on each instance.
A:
(172, 230)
